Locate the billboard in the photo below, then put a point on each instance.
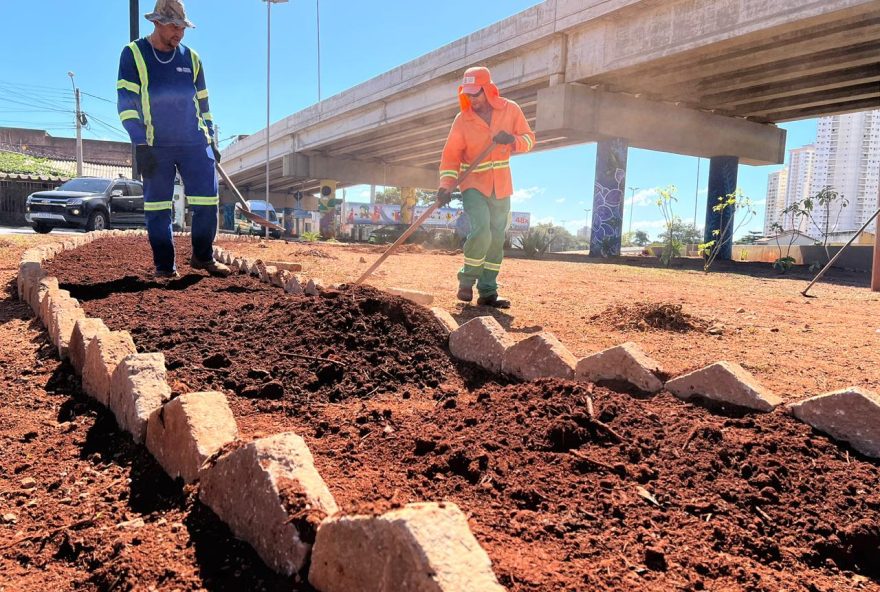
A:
(379, 214)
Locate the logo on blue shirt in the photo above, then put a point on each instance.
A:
(181, 69)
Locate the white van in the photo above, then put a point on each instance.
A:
(258, 207)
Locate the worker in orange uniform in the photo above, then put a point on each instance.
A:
(485, 117)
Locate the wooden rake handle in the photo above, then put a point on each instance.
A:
(421, 219)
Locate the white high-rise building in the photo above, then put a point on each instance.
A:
(777, 182)
(800, 183)
(847, 161)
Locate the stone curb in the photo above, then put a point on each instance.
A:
(724, 382)
(421, 547)
(303, 495)
(184, 434)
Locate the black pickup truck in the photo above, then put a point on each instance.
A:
(93, 203)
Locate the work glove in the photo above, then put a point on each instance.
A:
(504, 138)
(444, 196)
(216, 152)
(146, 160)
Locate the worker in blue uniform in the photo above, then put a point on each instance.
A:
(163, 104)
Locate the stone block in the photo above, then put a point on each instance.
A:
(270, 495)
(445, 319)
(422, 547)
(724, 382)
(267, 274)
(84, 330)
(312, 287)
(34, 254)
(44, 286)
(851, 415)
(27, 273)
(538, 356)
(188, 430)
(64, 313)
(46, 301)
(286, 265)
(236, 264)
(281, 278)
(138, 387)
(625, 362)
(245, 266)
(481, 340)
(423, 298)
(293, 285)
(103, 354)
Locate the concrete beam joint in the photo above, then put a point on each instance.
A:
(354, 171)
(588, 115)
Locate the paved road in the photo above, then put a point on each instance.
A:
(29, 230)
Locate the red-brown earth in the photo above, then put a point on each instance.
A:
(648, 493)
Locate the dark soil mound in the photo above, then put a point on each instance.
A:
(644, 316)
(239, 335)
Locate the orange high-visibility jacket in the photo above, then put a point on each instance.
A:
(470, 135)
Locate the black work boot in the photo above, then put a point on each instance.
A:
(494, 301)
(465, 293)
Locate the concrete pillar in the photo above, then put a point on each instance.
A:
(722, 182)
(608, 197)
(407, 204)
(327, 203)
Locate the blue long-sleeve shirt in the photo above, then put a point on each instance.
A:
(163, 104)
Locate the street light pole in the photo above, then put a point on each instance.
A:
(269, 4)
(79, 140)
(632, 206)
(587, 221)
(133, 34)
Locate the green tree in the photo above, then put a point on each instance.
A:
(391, 195)
(641, 238)
(24, 164)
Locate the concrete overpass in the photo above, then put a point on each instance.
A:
(703, 78)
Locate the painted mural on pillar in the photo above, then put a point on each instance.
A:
(608, 196)
(722, 182)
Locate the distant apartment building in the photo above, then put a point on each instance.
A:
(801, 163)
(777, 183)
(847, 159)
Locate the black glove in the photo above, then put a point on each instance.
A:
(444, 196)
(146, 160)
(504, 138)
(216, 152)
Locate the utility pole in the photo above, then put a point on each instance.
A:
(79, 140)
(269, 4)
(632, 206)
(133, 34)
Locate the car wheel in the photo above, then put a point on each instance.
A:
(97, 221)
(42, 228)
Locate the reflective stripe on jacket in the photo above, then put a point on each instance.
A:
(163, 103)
(470, 135)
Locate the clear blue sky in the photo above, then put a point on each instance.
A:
(359, 40)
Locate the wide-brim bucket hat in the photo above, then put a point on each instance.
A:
(169, 12)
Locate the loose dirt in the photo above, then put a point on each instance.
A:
(646, 494)
(644, 316)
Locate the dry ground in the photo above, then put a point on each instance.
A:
(796, 346)
(51, 433)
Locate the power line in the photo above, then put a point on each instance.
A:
(96, 97)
